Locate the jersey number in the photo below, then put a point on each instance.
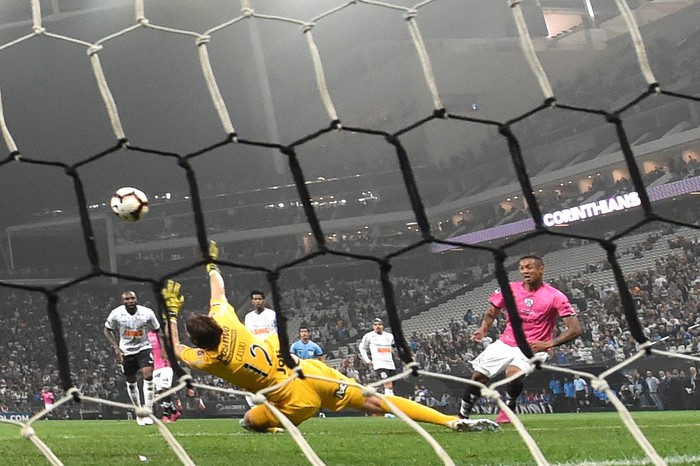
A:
(254, 351)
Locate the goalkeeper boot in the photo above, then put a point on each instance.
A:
(175, 416)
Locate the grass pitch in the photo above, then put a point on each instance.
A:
(565, 439)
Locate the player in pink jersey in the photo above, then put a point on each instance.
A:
(539, 305)
(163, 378)
(48, 398)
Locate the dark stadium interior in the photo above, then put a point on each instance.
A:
(252, 207)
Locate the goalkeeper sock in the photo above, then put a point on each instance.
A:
(133, 390)
(149, 388)
(417, 411)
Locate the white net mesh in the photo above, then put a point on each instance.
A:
(530, 115)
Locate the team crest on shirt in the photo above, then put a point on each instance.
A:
(529, 302)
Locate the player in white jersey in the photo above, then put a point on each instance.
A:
(132, 322)
(262, 320)
(380, 345)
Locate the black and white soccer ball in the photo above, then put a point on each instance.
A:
(129, 204)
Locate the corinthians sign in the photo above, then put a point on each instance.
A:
(592, 209)
(564, 216)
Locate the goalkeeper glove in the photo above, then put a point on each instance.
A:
(213, 254)
(173, 299)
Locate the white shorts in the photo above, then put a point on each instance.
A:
(163, 378)
(497, 356)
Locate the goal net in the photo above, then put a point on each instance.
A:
(355, 159)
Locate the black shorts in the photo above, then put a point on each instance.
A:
(134, 362)
(385, 373)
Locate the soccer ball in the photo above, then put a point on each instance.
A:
(129, 204)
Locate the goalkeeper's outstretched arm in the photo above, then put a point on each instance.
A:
(173, 303)
(216, 281)
(178, 347)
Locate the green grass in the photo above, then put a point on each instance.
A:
(563, 438)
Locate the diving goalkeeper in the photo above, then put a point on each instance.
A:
(224, 347)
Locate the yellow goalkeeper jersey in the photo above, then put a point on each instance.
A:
(241, 358)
